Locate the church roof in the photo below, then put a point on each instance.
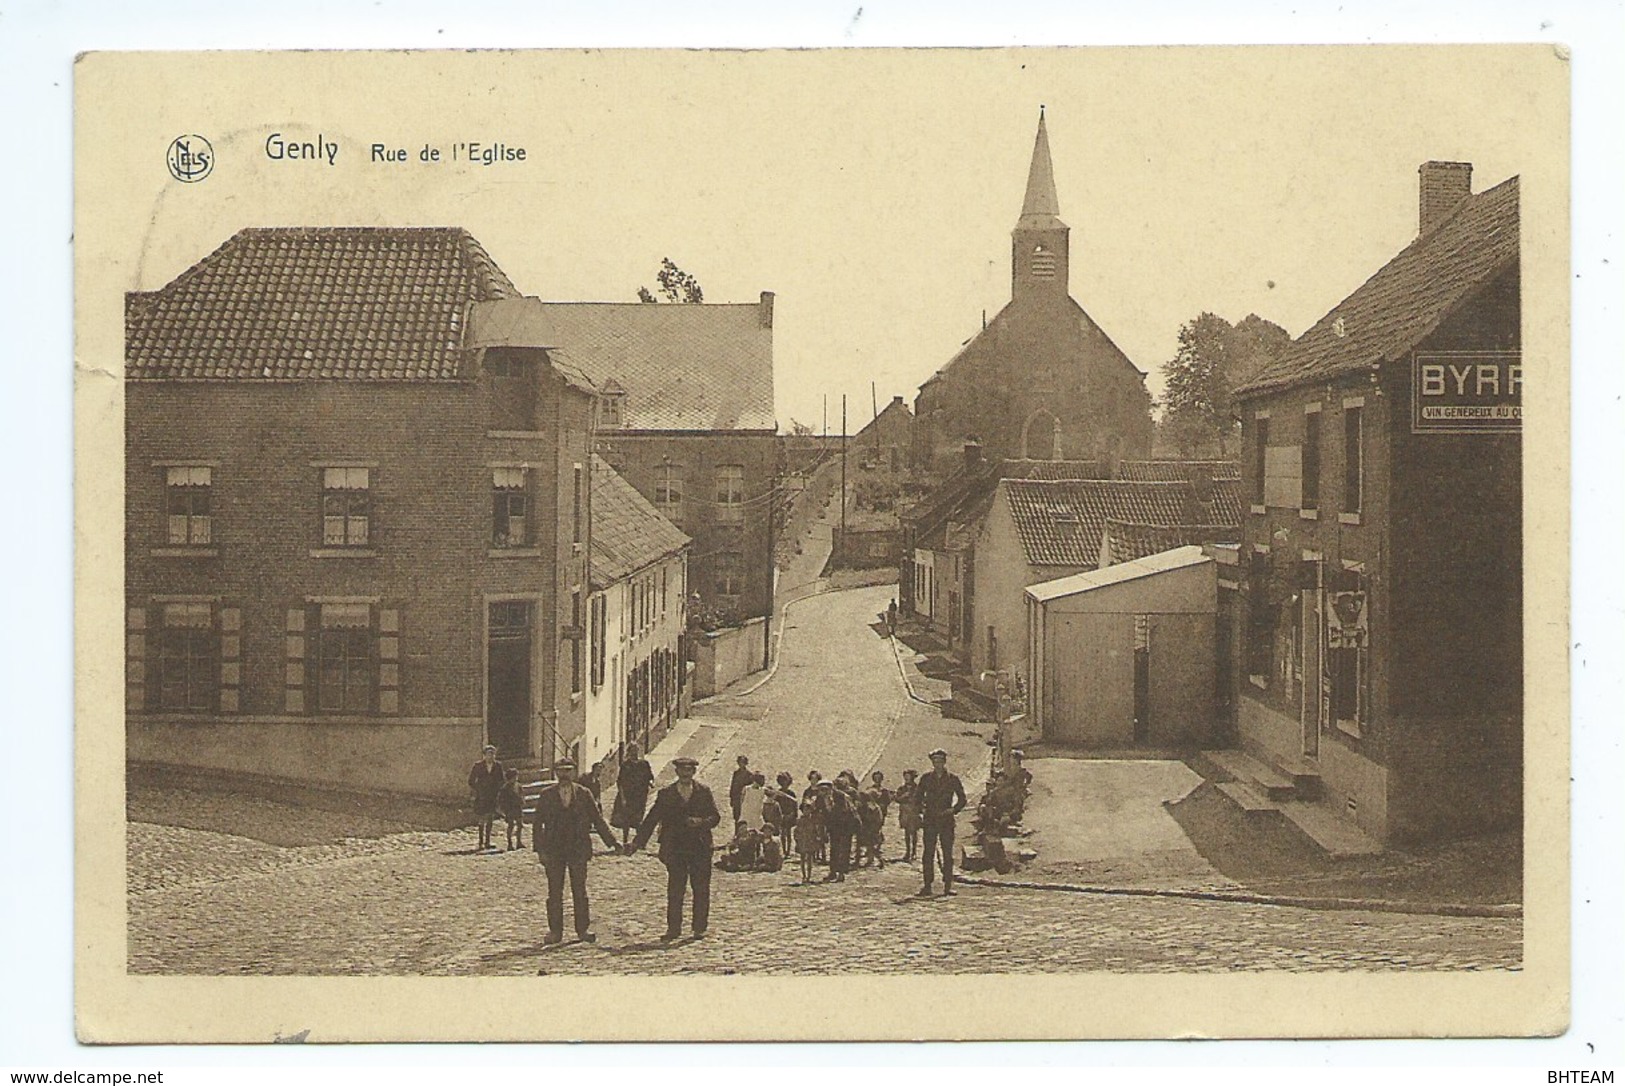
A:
(357, 303)
(1408, 298)
(628, 533)
(1040, 208)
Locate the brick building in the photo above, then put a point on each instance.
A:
(1041, 380)
(356, 536)
(687, 418)
(636, 618)
(1381, 566)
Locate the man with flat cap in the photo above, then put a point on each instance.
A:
(941, 798)
(566, 816)
(686, 813)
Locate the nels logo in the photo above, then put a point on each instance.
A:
(190, 158)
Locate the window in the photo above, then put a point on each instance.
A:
(1347, 643)
(187, 501)
(513, 395)
(510, 521)
(729, 573)
(188, 668)
(1261, 440)
(576, 513)
(575, 642)
(730, 494)
(1353, 457)
(669, 492)
(346, 507)
(345, 671)
(1311, 461)
(598, 611)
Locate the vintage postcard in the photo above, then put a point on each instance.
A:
(822, 545)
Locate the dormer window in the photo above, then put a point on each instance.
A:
(611, 402)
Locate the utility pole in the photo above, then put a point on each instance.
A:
(772, 571)
(841, 543)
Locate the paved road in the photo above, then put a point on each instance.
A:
(419, 903)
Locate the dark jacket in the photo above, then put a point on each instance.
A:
(567, 831)
(671, 814)
(738, 783)
(485, 782)
(940, 799)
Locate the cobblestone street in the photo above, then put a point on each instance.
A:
(402, 901)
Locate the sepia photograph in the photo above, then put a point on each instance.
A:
(1047, 535)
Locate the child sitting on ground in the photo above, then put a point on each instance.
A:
(772, 855)
(743, 851)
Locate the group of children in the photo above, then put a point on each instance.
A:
(839, 822)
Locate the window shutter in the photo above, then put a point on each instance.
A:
(231, 659)
(293, 693)
(389, 656)
(135, 659)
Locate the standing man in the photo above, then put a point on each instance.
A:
(941, 797)
(737, 785)
(566, 816)
(686, 813)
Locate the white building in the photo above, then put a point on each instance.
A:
(636, 616)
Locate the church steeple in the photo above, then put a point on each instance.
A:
(1039, 243)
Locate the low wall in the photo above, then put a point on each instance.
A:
(415, 757)
(723, 657)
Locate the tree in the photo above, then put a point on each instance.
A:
(1214, 357)
(676, 285)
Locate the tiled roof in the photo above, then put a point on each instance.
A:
(1052, 469)
(1172, 471)
(363, 303)
(683, 367)
(1126, 541)
(628, 533)
(1408, 298)
(1061, 523)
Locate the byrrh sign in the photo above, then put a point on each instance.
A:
(1467, 392)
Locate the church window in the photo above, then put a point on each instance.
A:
(1043, 262)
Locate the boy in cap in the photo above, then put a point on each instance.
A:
(686, 813)
(942, 797)
(566, 816)
(511, 802)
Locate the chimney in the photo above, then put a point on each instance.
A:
(973, 455)
(767, 309)
(896, 400)
(1443, 187)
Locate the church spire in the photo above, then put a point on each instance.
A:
(1040, 209)
(1039, 250)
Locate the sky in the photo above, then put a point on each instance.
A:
(872, 191)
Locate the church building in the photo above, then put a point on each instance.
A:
(1042, 380)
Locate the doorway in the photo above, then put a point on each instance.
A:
(508, 669)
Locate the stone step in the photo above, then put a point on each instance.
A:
(1304, 775)
(1253, 805)
(1336, 834)
(1246, 768)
